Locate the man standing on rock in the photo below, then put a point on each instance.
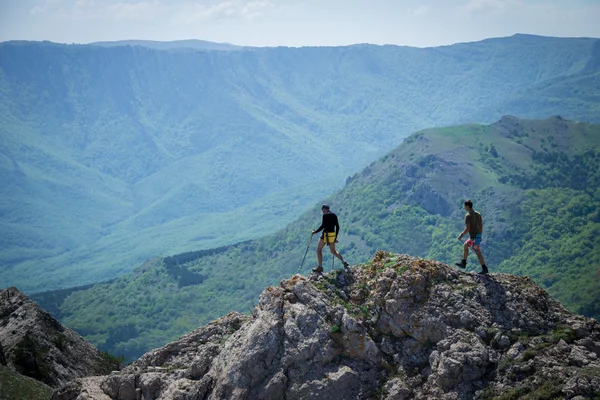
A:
(331, 229)
(474, 226)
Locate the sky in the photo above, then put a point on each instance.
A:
(419, 23)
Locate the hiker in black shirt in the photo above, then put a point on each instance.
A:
(331, 228)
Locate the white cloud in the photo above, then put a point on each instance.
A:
(144, 10)
(422, 10)
(229, 9)
(490, 6)
(44, 7)
(134, 11)
(256, 8)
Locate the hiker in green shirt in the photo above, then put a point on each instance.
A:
(473, 226)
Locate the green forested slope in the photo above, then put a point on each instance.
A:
(550, 97)
(14, 386)
(109, 156)
(535, 181)
(558, 244)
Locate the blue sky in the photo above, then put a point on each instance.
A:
(296, 22)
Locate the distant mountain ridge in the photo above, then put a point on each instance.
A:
(113, 155)
(536, 183)
(171, 44)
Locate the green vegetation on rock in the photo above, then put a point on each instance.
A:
(14, 386)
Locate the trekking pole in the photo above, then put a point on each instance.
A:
(306, 252)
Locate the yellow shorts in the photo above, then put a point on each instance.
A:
(328, 237)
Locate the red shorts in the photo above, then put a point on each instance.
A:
(474, 243)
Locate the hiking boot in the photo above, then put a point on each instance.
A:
(462, 264)
(484, 270)
(318, 269)
(346, 265)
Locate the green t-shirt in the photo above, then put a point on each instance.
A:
(475, 222)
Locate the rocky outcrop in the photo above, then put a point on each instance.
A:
(396, 328)
(37, 345)
(510, 127)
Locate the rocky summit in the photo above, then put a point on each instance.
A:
(396, 328)
(35, 344)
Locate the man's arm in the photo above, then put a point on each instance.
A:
(464, 232)
(467, 227)
(337, 226)
(321, 227)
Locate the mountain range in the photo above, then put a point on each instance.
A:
(170, 45)
(111, 154)
(536, 183)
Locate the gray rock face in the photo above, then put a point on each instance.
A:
(396, 328)
(2, 356)
(34, 344)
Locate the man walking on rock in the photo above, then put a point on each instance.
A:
(331, 229)
(474, 226)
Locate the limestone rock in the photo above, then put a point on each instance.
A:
(37, 345)
(396, 328)
(397, 390)
(2, 356)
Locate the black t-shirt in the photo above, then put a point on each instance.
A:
(330, 223)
